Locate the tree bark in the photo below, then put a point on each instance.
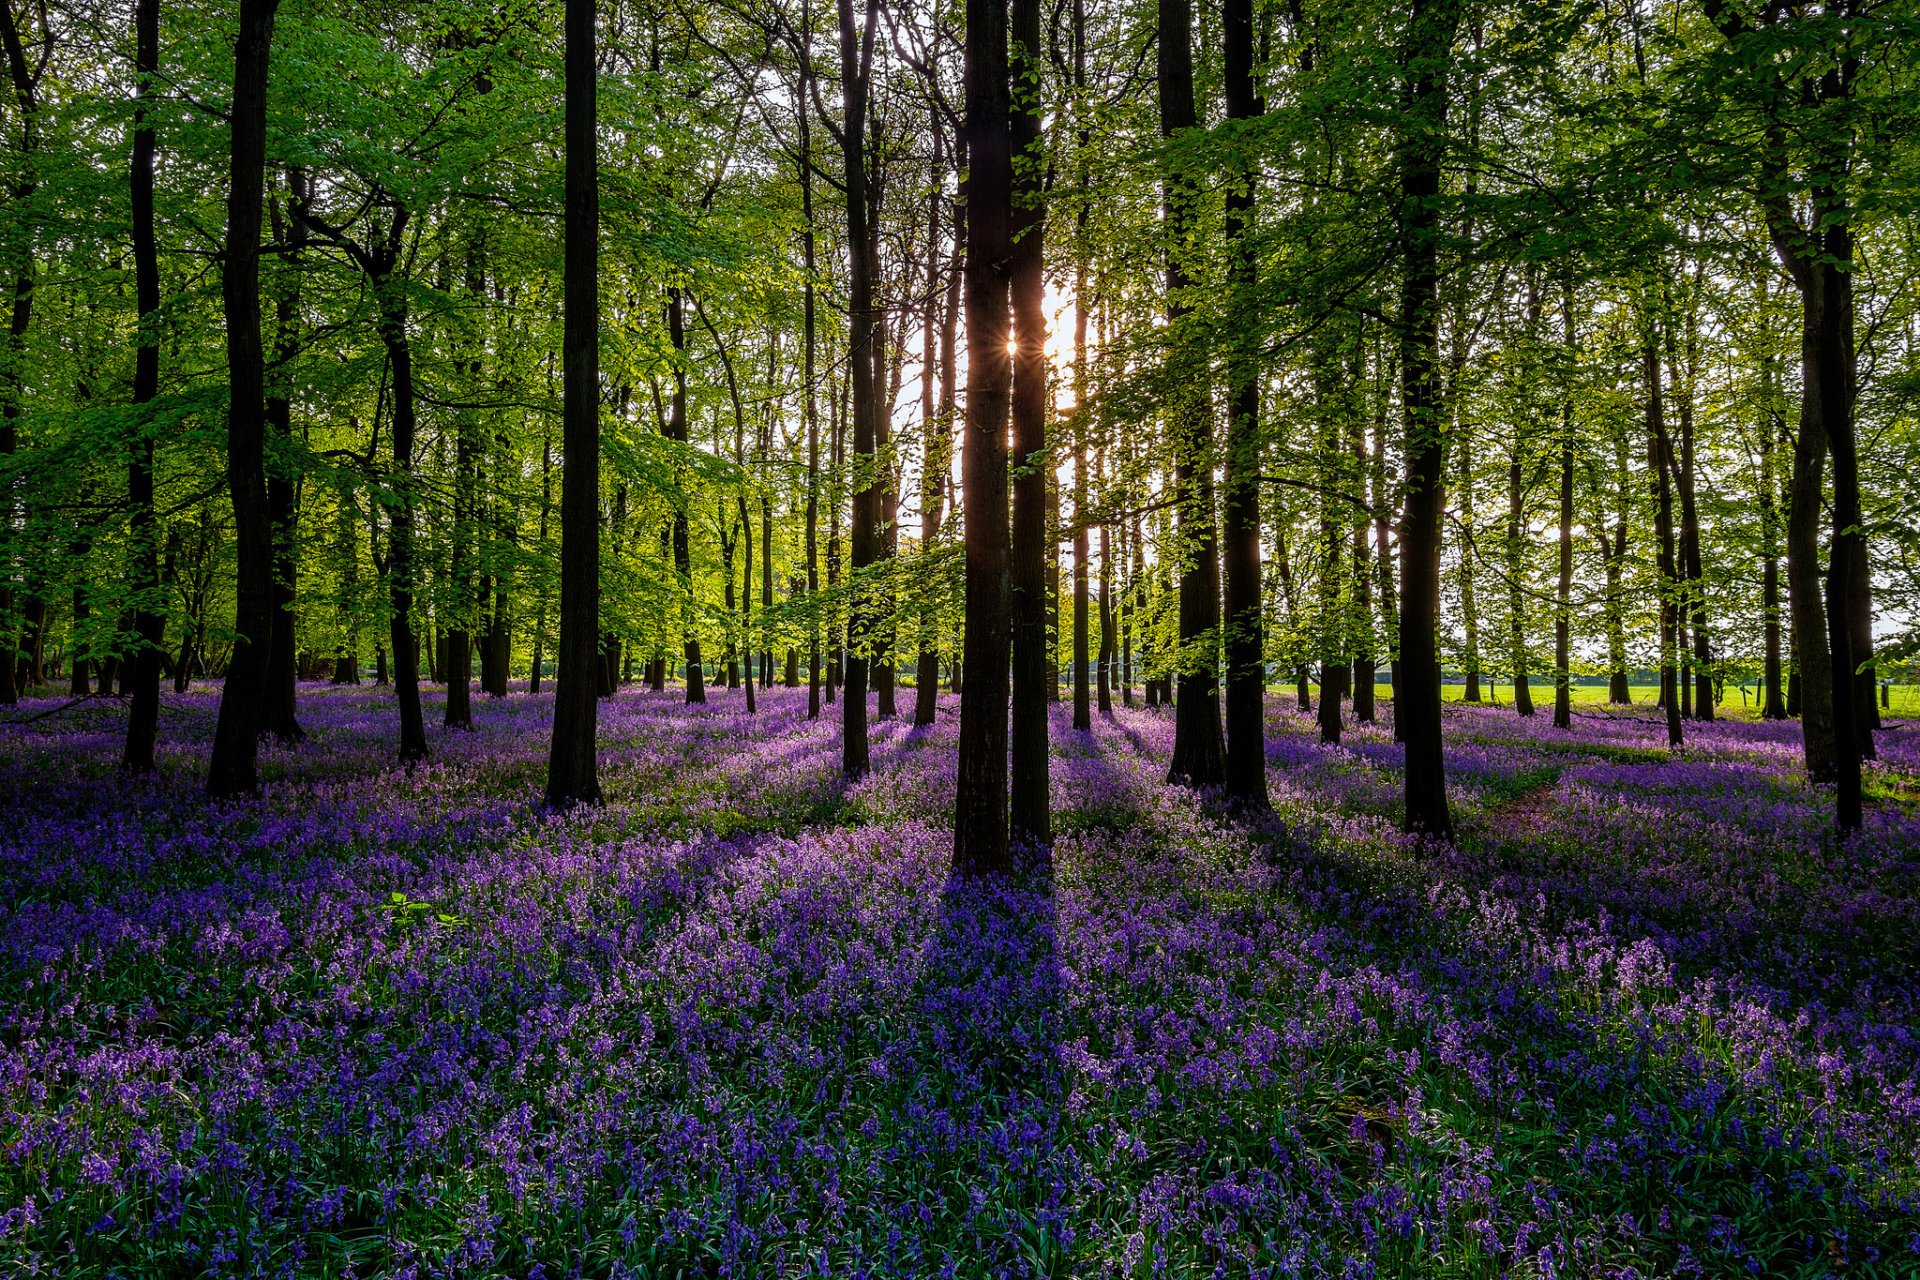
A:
(1431, 28)
(1773, 706)
(1246, 742)
(572, 774)
(1199, 748)
(863, 338)
(1033, 667)
(143, 712)
(937, 457)
(1660, 467)
(981, 844)
(1563, 588)
(282, 713)
(232, 770)
(1516, 593)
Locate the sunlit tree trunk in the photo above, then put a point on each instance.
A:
(980, 807)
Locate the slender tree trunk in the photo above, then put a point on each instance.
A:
(572, 772)
(1516, 593)
(1848, 617)
(1563, 588)
(937, 458)
(1383, 561)
(282, 712)
(459, 663)
(1246, 743)
(1773, 705)
(856, 55)
(1082, 514)
(1199, 747)
(236, 735)
(981, 843)
(1431, 27)
(400, 566)
(1365, 672)
(682, 534)
(1469, 581)
(1660, 465)
(809, 350)
(1033, 666)
(25, 85)
(143, 713)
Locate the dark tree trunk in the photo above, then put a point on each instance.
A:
(1246, 743)
(682, 534)
(381, 261)
(1773, 705)
(863, 318)
(143, 712)
(25, 83)
(1365, 653)
(1082, 514)
(236, 736)
(1848, 618)
(282, 714)
(572, 770)
(1431, 27)
(1033, 668)
(1563, 587)
(1516, 593)
(980, 806)
(1660, 466)
(1813, 662)
(1199, 748)
(1383, 565)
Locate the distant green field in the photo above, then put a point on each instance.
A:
(1903, 699)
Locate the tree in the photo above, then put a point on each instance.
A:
(572, 774)
(236, 734)
(1199, 752)
(1033, 666)
(1422, 144)
(1246, 745)
(143, 712)
(980, 803)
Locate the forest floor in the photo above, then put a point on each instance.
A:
(1644, 1019)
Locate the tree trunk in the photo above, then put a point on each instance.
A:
(1773, 705)
(1516, 594)
(937, 458)
(1563, 587)
(1660, 465)
(980, 804)
(26, 95)
(572, 772)
(1431, 27)
(236, 736)
(863, 337)
(1246, 742)
(143, 712)
(1033, 666)
(682, 534)
(282, 712)
(1199, 748)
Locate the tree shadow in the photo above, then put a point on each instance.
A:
(992, 1011)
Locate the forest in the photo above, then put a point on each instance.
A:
(670, 638)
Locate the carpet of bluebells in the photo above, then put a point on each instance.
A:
(1646, 1019)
